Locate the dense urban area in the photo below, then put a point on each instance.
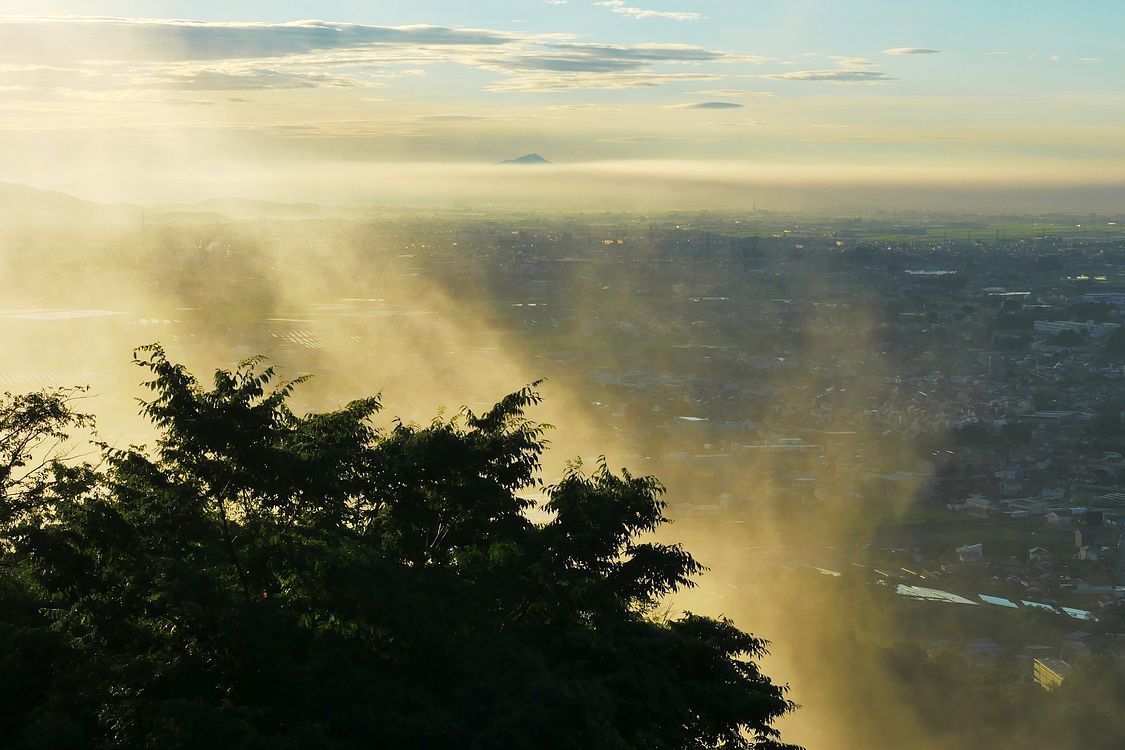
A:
(915, 416)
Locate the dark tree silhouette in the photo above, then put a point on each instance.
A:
(267, 580)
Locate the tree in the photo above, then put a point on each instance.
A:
(33, 429)
(1069, 339)
(1107, 420)
(263, 579)
(1115, 342)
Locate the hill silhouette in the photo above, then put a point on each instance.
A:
(527, 159)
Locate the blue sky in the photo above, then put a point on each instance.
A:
(1077, 28)
(988, 90)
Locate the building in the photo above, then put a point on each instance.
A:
(970, 552)
(1060, 518)
(1086, 540)
(1090, 328)
(1049, 673)
(1116, 299)
(980, 506)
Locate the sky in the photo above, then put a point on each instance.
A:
(136, 97)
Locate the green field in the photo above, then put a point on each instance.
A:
(880, 514)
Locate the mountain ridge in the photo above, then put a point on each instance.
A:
(532, 158)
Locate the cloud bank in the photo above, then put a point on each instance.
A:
(101, 53)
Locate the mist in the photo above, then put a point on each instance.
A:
(348, 186)
(754, 381)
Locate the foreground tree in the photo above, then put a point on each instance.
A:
(268, 580)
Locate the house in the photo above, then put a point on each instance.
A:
(1053, 494)
(1060, 518)
(1028, 506)
(979, 505)
(970, 552)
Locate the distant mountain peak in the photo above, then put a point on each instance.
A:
(527, 159)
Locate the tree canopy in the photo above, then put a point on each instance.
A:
(263, 579)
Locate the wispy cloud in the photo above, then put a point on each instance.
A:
(546, 83)
(338, 129)
(452, 118)
(623, 8)
(848, 70)
(154, 54)
(561, 66)
(911, 51)
(732, 92)
(855, 62)
(577, 107)
(707, 105)
(642, 140)
(901, 137)
(605, 58)
(252, 79)
(842, 75)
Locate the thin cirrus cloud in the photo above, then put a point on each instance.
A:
(452, 118)
(848, 70)
(623, 8)
(562, 66)
(911, 51)
(537, 83)
(107, 53)
(604, 58)
(731, 92)
(842, 75)
(855, 62)
(642, 140)
(575, 107)
(707, 105)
